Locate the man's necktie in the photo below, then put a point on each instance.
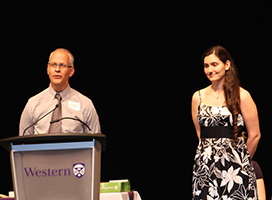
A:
(55, 127)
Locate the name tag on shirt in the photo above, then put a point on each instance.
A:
(74, 105)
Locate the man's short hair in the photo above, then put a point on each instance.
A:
(71, 57)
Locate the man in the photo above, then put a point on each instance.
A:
(59, 108)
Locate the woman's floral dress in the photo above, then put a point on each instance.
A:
(222, 170)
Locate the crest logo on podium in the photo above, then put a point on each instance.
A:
(79, 169)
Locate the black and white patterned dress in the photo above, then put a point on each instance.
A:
(222, 170)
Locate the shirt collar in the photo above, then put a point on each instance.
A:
(63, 93)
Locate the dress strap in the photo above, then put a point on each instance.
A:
(199, 96)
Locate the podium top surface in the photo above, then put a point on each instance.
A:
(53, 138)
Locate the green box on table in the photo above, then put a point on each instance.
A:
(114, 186)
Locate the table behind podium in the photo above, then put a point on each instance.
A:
(56, 166)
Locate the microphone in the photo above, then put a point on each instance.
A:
(56, 106)
(72, 118)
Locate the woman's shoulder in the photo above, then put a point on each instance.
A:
(198, 94)
(244, 95)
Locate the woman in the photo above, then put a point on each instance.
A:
(221, 113)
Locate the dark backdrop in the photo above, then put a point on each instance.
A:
(140, 65)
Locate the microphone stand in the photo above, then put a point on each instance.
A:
(76, 119)
(40, 119)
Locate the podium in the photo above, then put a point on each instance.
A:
(56, 166)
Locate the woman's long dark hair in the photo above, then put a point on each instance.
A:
(231, 85)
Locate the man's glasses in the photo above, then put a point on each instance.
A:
(61, 66)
